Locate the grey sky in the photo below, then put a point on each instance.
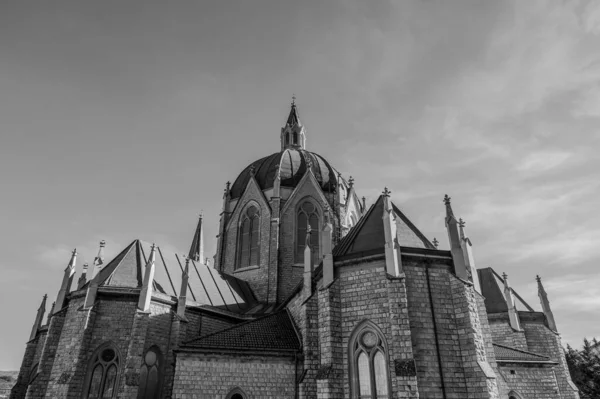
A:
(122, 120)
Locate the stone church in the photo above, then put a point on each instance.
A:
(312, 293)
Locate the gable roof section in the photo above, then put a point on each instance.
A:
(507, 354)
(492, 288)
(125, 270)
(206, 285)
(272, 333)
(368, 235)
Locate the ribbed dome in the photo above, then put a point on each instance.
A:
(292, 164)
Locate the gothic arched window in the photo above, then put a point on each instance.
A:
(295, 138)
(287, 138)
(101, 380)
(368, 362)
(248, 246)
(513, 395)
(307, 214)
(150, 374)
(236, 393)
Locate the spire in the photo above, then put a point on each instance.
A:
(98, 260)
(183, 290)
(51, 312)
(390, 230)
(293, 117)
(83, 278)
(197, 248)
(65, 287)
(38, 318)
(307, 263)
(545, 304)
(293, 134)
(465, 244)
(146, 294)
(513, 315)
(327, 247)
(452, 226)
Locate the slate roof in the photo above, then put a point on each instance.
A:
(206, 285)
(492, 288)
(508, 354)
(274, 332)
(293, 117)
(292, 165)
(368, 234)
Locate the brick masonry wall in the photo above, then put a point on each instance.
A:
(38, 388)
(304, 312)
(530, 382)
(66, 379)
(214, 376)
(19, 390)
(504, 334)
(541, 340)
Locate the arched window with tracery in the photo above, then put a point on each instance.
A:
(368, 363)
(150, 374)
(248, 242)
(307, 214)
(103, 370)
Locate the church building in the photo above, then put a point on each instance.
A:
(312, 293)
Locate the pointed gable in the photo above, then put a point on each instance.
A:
(125, 270)
(368, 234)
(492, 288)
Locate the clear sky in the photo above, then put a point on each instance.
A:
(122, 120)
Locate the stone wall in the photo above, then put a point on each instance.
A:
(504, 334)
(530, 382)
(215, 375)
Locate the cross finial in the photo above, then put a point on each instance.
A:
(153, 247)
(74, 252)
(504, 276)
(461, 222)
(386, 192)
(351, 181)
(447, 199)
(293, 99)
(252, 170)
(364, 200)
(538, 279)
(435, 242)
(309, 163)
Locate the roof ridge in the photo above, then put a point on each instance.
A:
(520, 350)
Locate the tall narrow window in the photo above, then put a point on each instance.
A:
(295, 138)
(307, 214)
(101, 381)
(248, 249)
(367, 355)
(150, 374)
(287, 138)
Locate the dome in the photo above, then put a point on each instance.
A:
(292, 165)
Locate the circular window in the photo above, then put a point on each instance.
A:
(108, 355)
(369, 339)
(150, 358)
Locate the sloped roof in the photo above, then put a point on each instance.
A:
(507, 354)
(125, 270)
(206, 285)
(492, 288)
(368, 234)
(274, 332)
(293, 117)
